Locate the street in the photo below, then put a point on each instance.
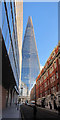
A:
(42, 113)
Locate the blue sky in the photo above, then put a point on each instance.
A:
(45, 23)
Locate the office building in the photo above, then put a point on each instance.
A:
(10, 54)
(30, 60)
(19, 21)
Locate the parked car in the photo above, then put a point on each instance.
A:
(32, 103)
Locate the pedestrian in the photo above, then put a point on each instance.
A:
(17, 105)
(55, 106)
(34, 111)
(59, 108)
(50, 105)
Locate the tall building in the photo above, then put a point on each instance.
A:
(48, 81)
(19, 20)
(10, 53)
(30, 60)
(23, 93)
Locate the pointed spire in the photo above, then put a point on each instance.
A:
(29, 23)
(30, 60)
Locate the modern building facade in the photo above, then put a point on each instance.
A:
(19, 21)
(24, 89)
(30, 60)
(23, 93)
(48, 81)
(10, 54)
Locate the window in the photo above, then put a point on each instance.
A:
(3, 14)
(44, 77)
(47, 73)
(45, 84)
(48, 91)
(48, 82)
(11, 30)
(9, 41)
(13, 11)
(40, 94)
(53, 54)
(51, 69)
(56, 74)
(59, 60)
(55, 65)
(58, 86)
(51, 90)
(55, 89)
(4, 28)
(9, 15)
(40, 88)
(53, 77)
(45, 92)
(50, 79)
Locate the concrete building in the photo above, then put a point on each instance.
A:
(10, 53)
(23, 93)
(24, 89)
(48, 81)
(30, 60)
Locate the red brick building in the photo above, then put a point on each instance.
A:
(48, 81)
(33, 93)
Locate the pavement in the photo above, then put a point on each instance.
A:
(51, 110)
(11, 112)
(41, 113)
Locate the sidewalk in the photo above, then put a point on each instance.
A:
(51, 110)
(11, 112)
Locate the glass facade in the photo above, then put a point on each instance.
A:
(9, 32)
(30, 61)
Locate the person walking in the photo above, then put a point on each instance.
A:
(50, 105)
(55, 106)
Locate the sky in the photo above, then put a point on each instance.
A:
(45, 23)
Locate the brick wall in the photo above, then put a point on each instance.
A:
(49, 76)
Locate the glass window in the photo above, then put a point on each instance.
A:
(9, 42)
(57, 75)
(48, 82)
(7, 4)
(4, 28)
(55, 65)
(45, 84)
(9, 15)
(11, 30)
(3, 13)
(10, 22)
(47, 73)
(13, 12)
(9, 10)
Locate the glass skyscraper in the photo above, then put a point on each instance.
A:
(30, 60)
(9, 33)
(10, 50)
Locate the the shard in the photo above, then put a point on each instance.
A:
(30, 60)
